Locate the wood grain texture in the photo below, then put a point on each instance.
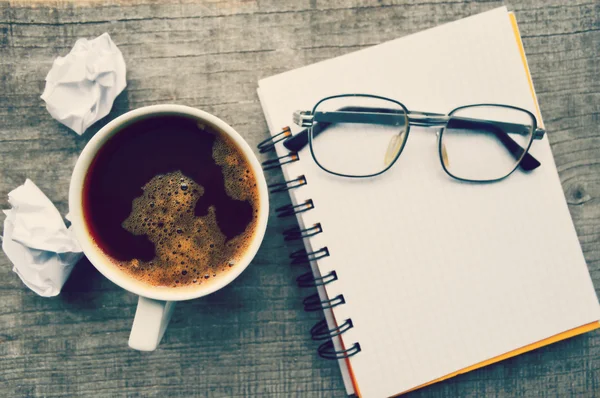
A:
(251, 339)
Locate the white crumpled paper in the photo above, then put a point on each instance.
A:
(82, 86)
(38, 243)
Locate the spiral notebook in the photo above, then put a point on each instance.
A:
(421, 277)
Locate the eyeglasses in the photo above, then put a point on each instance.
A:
(361, 135)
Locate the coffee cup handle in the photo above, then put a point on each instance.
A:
(149, 324)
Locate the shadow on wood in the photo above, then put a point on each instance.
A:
(84, 278)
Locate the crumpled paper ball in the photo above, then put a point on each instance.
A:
(82, 86)
(37, 241)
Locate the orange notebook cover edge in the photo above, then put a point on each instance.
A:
(552, 339)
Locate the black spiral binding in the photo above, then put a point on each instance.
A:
(303, 257)
(280, 161)
(311, 303)
(309, 280)
(269, 144)
(327, 351)
(295, 233)
(314, 302)
(291, 210)
(287, 185)
(321, 330)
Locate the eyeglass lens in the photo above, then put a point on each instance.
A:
(484, 143)
(357, 136)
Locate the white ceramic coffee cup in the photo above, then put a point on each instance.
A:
(155, 304)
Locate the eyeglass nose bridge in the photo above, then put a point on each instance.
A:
(428, 119)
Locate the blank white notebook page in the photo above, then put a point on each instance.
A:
(437, 275)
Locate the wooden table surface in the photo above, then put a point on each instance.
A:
(251, 338)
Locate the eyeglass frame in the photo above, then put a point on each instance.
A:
(423, 119)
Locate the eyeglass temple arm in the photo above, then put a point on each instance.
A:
(348, 114)
(436, 119)
(389, 117)
(528, 162)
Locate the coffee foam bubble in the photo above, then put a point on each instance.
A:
(189, 250)
(240, 183)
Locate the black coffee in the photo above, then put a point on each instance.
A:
(172, 202)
